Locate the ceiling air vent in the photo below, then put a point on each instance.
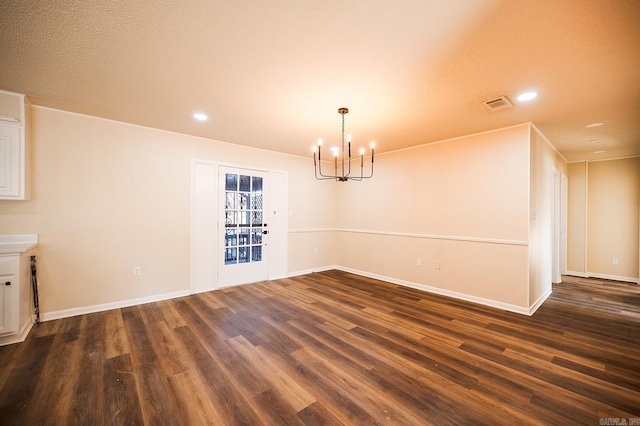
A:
(497, 104)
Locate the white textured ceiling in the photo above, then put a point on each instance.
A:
(272, 73)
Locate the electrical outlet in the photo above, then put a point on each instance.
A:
(614, 260)
(136, 271)
(418, 262)
(437, 265)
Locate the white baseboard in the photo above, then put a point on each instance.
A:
(533, 308)
(577, 274)
(614, 277)
(312, 270)
(20, 336)
(603, 276)
(65, 313)
(443, 292)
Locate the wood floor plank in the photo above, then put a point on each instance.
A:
(279, 381)
(116, 342)
(198, 397)
(52, 396)
(19, 387)
(157, 402)
(333, 348)
(230, 401)
(121, 402)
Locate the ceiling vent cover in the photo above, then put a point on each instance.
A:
(497, 104)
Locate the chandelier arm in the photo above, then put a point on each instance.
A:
(318, 170)
(323, 177)
(349, 162)
(362, 177)
(371, 175)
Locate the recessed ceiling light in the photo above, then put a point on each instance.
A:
(527, 96)
(594, 141)
(200, 116)
(599, 152)
(592, 125)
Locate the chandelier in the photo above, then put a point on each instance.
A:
(345, 164)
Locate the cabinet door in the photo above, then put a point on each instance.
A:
(8, 323)
(7, 317)
(10, 161)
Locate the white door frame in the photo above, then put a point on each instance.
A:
(559, 226)
(564, 200)
(205, 249)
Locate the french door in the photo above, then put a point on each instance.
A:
(242, 228)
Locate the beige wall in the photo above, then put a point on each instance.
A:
(612, 218)
(604, 198)
(577, 219)
(462, 203)
(108, 196)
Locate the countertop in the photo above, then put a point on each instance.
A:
(17, 243)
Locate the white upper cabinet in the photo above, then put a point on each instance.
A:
(15, 135)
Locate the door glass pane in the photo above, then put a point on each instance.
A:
(230, 219)
(232, 200)
(231, 183)
(256, 201)
(256, 184)
(243, 254)
(256, 218)
(243, 237)
(245, 183)
(256, 236)
(256, 253)
(244, 201)
(230, 256)
(230, 238)
(243, 219)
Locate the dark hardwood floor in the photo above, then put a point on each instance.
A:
(333, 348)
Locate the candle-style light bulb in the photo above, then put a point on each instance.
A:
(361, 151)
(314, 149)
(319, 141)
(348, 137)
(373, 145)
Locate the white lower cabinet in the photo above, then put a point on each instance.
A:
(16, 305)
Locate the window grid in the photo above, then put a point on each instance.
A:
(243, 219)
